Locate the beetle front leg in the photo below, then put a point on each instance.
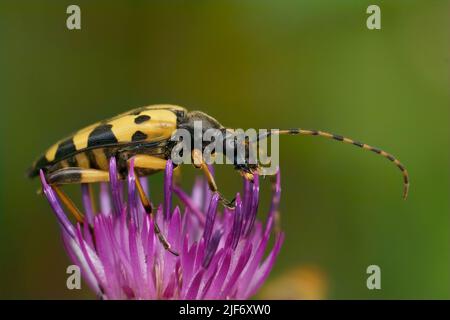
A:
(152, 163)
(199, 163)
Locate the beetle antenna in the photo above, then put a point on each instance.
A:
(345, 140)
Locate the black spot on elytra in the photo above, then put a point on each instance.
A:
(65, 149)
(101, 135)
(138, 136)
(141, 119)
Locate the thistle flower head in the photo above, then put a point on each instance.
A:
(223, 254)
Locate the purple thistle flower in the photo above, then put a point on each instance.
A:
(221, 254)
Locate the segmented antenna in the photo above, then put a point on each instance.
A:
(349, 141)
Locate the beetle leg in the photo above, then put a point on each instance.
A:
(149, 162)
(177, 175)
(77, 175)
(69, 204)
(74, 175)
(198, 163)
(143, 161)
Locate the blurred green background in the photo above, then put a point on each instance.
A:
(259, 64)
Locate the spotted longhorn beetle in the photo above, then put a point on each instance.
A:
(144, 134)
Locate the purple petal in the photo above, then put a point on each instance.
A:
(150, 259)
(105, 200)
(87, 202)
(105, 251)
(237, 223)
(116, 189)
(246, 201)
(169, 292)
(54, 203)
(132, 203)
(210, 218)
(221, 276)
(199, 254)
(232, 279)
(136, 261)
(211, 248)
(168, 189)
(254, 261)
(194, 285)
(92, 260)
(211, 273)
(276, 194)
(76, 256)
(189, 204)
(197, 193)
(262, 273)
(173, 234)
(253, 206)
(88, 235)
(187, 262)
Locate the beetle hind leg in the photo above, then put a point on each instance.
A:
(77, 175)
(69, 204)
(73, 175)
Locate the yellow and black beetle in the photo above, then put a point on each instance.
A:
(144, 134)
